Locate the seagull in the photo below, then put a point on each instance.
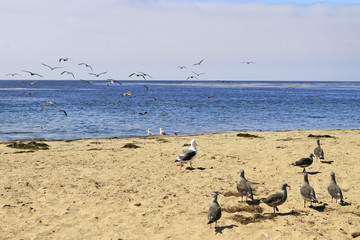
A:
(198, 63)
(198, 74)
(307, 191)
(214, 213)
(276, 199)
(86, 65)
(318, 151)
(248, 62)
(162, 132)
(304, 162)
(182, 67)
(62, 111)
(126, 94)
(243, 186)
(64, 59)
(188, 155)
(12, 74)
(149, 132)
(97, 75)
(67, 72)
(32, 73)
(191, 77)
(32, 83)
(112, 81)
(51, 68)
(147, 88)
(47, 103)
(140, 74)
(334, 190)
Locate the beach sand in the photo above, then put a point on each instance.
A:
(97, 189)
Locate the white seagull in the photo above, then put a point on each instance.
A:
(149, 132)
(162, 132)
(188, 155)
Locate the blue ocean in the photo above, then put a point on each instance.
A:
(98, 110)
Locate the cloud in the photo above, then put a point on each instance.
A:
(287, 41)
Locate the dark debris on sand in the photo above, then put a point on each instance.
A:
(30, 145)
(247, 208)
(247, 135)
(253, 219)
(131, 145)
(320, 136)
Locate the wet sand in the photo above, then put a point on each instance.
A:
(97, 189)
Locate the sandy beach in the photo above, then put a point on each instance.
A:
(99, 189)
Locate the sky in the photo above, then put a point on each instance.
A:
(287, 40)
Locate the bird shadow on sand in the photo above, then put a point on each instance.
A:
(327, 162)
(313, 173)
(253, 203)
(198, 168)
(319, 208)
(291, 213)
(346, 204)
(221, 229)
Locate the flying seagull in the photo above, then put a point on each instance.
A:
(248, 62)
(140, 74)
(191, 77)
(32, 73)
(47, 103)
(51, 68)
(67, 72)
(86, 65)
(112, 81)
(198, 74)
(198, 63)
(97, 74)
(12, 74)
(64, 59)
(182, 67)
(62, 111)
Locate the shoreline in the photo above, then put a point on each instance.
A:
(100, 189)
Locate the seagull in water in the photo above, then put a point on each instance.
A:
(276, 199)
(334, 190)
(149, 132)
(188, 155)
(318, 151)
(112, 81)
(243, 186)
(214, 213)
(304, 162)
(162, 132)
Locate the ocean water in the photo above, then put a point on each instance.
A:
(186, 107)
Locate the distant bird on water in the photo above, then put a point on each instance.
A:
(67, 72)
(304, 162)
(214, 213)
(188, 155)
(276, 199)
(47, 103)
(51, 68)
(128, 93)
(318, 151)
(32, 83)
(334, 190)
(97, 74)
(112, 81)
(32, 73)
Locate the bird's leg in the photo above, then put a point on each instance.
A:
(304, 170)
(304, 203)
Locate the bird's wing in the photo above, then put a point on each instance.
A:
(62, 111)
(187, 155)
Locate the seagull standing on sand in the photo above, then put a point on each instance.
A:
(149, 132)
(318, 151)
(276, 199)
(162, 132)
(188, 155)
(334, 190)
(243, 186)
(214, 213)
(304, 162)
(307, 191)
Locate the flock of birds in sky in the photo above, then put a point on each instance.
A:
(274, 200)
(139, 74)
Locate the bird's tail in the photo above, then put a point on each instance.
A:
(177, 159)
(342, 202)
(314, 200)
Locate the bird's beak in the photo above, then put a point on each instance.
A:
(289, 187)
